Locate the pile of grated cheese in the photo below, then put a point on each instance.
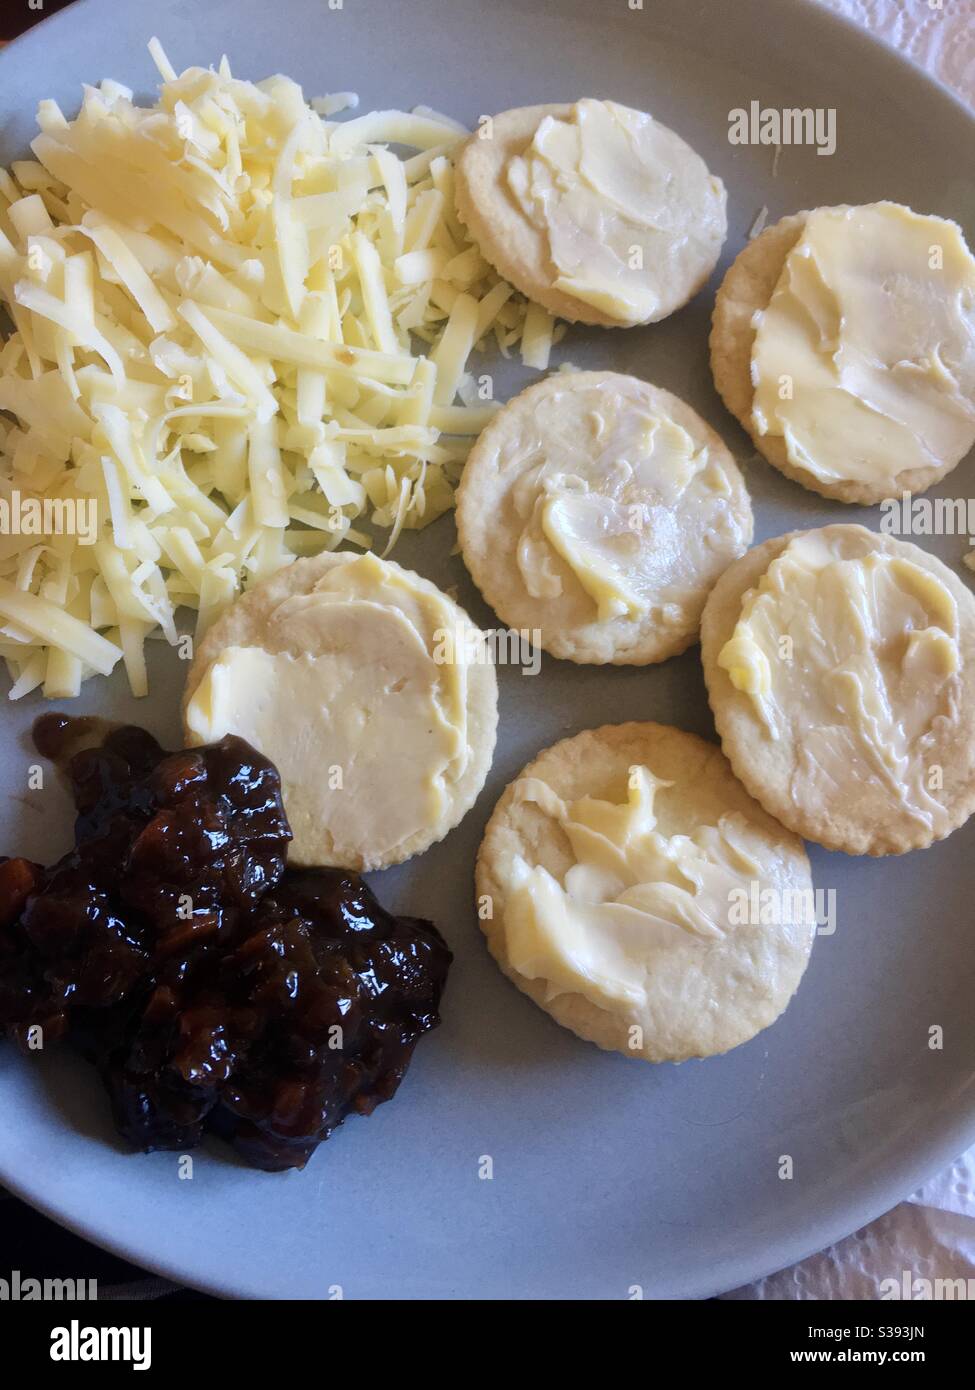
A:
(238, 327)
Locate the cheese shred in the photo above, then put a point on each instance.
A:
(238, 326)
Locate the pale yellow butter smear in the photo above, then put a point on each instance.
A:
(637, 911)
(864, 360)
(633, 218)
(853, 654)
(350, 697)
(642, 516)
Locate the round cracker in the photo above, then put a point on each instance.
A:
(246, 624)
(863, 820)
(489, 527)
(765, 968)
(508, 239)
(747, 288)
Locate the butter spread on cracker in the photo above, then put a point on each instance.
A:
(636, 903)
(853, 654)
(620, 498)
(864, 360)
(358, 694)
(629, 209)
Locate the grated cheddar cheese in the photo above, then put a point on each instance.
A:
(238, 327)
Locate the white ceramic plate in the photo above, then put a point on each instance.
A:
(608, 1173)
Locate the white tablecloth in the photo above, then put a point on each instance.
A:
(932, 1235)
(938, 35)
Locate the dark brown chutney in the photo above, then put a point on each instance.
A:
(214, 989)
